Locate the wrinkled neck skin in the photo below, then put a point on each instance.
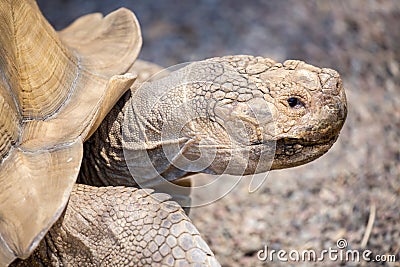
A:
(103, 162)
(238, 115)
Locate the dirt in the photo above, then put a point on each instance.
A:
(334, 197)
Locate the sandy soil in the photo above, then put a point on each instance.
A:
(357, 182)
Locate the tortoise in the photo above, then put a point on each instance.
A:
(82, 134)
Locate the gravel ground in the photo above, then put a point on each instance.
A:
(312, 206)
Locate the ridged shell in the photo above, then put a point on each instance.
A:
(55, 89)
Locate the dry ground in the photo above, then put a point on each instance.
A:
(312, 206)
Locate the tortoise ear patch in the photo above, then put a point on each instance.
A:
(35, 187)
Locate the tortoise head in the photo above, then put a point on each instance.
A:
(237, 115)
(278, 115)
(309, 108)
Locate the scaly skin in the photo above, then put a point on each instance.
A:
(121, 226)
(249, 111)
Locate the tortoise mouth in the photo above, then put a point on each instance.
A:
(306, 142)
(292, 152)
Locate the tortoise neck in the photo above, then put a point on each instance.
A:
(103, 160)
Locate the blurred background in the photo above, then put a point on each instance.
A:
(312, 206)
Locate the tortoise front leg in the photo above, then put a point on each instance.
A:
(121, 226)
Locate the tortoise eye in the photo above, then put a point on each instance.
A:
(294, 102)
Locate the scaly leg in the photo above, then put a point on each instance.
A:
(121, 226)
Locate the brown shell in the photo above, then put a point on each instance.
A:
(55, 89)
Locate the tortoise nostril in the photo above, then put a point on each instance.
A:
(294, 102)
